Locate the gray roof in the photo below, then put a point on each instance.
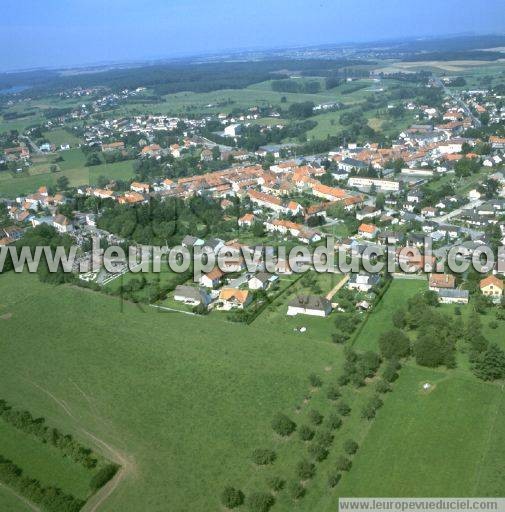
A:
(311, 302)
(190, 292)
(454, 293)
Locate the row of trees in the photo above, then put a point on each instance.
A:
(50, 499)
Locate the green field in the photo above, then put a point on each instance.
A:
(446, 442)
(72, 167)
(60, 136)
(380, 320)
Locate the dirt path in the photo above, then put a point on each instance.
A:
(113, 454)
(28, 503)
(337, 287)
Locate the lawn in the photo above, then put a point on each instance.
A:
(60, 136)
(445, 442)
(184, 399)
(380, 320)
(43, 462)
(72, 167)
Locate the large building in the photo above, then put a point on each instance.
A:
(368, 183)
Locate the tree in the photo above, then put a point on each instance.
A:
(283, 425)
(305, 433)
(92, 159)
(324, 438)
(433, 348)
(232, 498)
(383, 386)
(318, 451)
(260, 502)
(343, 463)
(275, 483)
(491, 364)
(334, 479)
(343, 409)
(399, 318)
(350, 447)
(62, 183)
(305, 470)
(394, 344)
(263, 457)
(380, 200)
(315, 417)
(334, 421)
(296, 490)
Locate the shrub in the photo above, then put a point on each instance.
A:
(275, 483)
(305, 433)
(334, 479)
(343, 379)
(343, 409)
(296, 490)
(333, 392)
(389, 374)
(324, 438)
(343, 463)
(350, 447)
(318, 451)
(305, 470)
(283, 425)
(260, 502)
(493, 324)
(382, 386)
(232, 498)
(315, 417)
(315, 381)
(263, 457)
(103, 476)
(334, 421)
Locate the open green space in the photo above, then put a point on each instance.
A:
(60, 136)
(44, 462)
(400, 290)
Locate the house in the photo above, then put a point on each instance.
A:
(453, 296)
(368, 230)
(363, 282)
(415, 196)
(212, 278)
(113, 146)
(142, 188)
(368, 212)
(62, 224)
(492, 287)
(191, 295)
(438, 282)
(191, 241)
(206, 155)
(214, 244)
(232, 130)
(152, 150)
(390, 237)
(309, 305)
(474, 195)
(233, 298)
(261, 281)
(247, 220)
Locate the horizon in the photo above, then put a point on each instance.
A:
(97, 35)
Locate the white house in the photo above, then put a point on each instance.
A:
(309, 305)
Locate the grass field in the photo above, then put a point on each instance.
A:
(72, 167)
(380, 320)
(442, 443)
(60, 136)
(184, 399)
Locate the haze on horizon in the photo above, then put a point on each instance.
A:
(58, 34)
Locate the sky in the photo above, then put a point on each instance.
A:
(58, 33)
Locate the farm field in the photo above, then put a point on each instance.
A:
(72, 167)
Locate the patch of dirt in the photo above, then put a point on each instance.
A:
(6, 316)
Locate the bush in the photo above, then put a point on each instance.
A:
(493, 324)
(305, 470)
(103, 476)
(305, 433)
(283, 425)
(333, 392)
(324, 438)
(350, 447)
(343, 379)
(276, 483)
(296, 490)
(343, 409)
(315, 417)
(260, 502)
(334, 421)
(343, 463)
(315, 381)
(382, 386)
(263, 457)
(334, 479)
(232, 498)
(318, 451)
(389, 374)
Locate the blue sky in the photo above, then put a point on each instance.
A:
(70, 32)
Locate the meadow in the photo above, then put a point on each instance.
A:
(181, 401)
(72, 166)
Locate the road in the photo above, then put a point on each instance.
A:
(33, 146)
(460, 102)
(444, 218)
